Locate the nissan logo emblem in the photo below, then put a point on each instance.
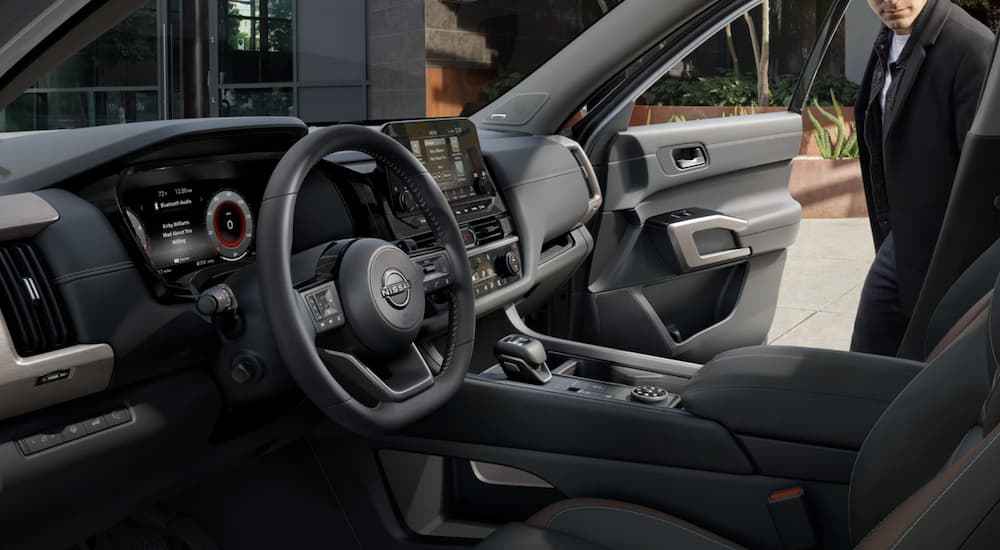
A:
(396, 288)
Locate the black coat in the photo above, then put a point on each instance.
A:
(909, 156)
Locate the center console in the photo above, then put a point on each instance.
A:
(450, 150)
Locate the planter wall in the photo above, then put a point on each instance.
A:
(828, 188)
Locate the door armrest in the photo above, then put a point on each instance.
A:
(816, 396)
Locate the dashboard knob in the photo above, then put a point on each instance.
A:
(509, 264)
(405, 201)
(482, 184)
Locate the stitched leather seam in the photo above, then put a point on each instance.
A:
(93, 272)
(948, 488)
(662, 520)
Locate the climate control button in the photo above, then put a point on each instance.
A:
(509, 264)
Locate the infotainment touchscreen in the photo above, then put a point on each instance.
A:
(448, 148)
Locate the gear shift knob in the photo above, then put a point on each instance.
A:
(522, 359)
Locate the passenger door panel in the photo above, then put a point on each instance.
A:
(691, 243)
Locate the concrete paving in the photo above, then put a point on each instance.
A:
(821, 285)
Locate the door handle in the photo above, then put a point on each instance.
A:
(682, 237)
(690, 157)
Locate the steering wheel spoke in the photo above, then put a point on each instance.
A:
(402, 376)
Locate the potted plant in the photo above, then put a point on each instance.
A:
(829, 185)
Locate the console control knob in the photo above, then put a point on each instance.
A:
(405, 201)
(482, 184)
(650, 394)
(509, 264)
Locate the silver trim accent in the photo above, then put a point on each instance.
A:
(596, 197)
(33, 294)
(682, 237)
(89, 369)
(496, 474)
(23, 215)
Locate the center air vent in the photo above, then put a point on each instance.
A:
(28, 303)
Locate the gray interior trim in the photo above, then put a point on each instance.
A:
(23, 215)
(652, 363)
(587, 62)
(596, 196)
(497, 474)
(732, 144)
(89, 366)
(89, 369)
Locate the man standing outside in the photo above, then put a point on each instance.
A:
(915, 106)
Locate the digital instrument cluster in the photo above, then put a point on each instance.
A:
(186, 226)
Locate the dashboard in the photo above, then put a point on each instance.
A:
(116, 231)
(193, 222)
(128, 225)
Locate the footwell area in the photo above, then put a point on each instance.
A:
(278, 501)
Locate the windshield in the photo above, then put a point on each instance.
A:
(320, 60)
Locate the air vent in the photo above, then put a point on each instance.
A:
(28, 304)
(487, 230)
(424, 241)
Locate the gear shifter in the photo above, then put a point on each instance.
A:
(522, 359)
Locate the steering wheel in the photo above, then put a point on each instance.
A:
(347, 334)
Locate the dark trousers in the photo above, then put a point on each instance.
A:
(881, 322)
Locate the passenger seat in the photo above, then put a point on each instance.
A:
(925, 477)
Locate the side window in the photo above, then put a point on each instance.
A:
(752, 66)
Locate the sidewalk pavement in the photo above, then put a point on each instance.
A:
(821, 285)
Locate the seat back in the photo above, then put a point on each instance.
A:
(966, 298)
(925, 476)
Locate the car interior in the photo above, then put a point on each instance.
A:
(535, 327)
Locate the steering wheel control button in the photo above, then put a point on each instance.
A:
(324, 306)
(650, 394)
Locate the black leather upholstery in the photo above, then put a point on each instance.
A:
(925, 477)
(805, 395)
